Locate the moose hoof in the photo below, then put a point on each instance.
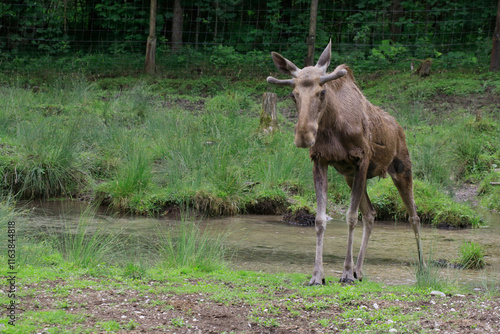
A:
(346, 280)
(315, 281)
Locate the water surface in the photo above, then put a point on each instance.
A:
(266, 243)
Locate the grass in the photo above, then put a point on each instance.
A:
(140, 144)
(87, 244)
(471, 256)
(263, 300)
(433, 206)
(190, 247)
(191, 280)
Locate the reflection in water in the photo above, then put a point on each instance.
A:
(265, 243)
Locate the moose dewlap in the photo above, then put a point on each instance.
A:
(343, 129)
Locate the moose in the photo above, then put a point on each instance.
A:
(343, 129)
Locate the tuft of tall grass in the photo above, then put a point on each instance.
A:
(132, 176)
(45, 164)
(430, 162)
(87, 244)
(279, 162)
(431, 276)
(471, 256)
(190, 246)
(467, 152)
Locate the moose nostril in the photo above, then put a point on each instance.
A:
(304, 141)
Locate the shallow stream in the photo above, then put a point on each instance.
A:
(266, 243)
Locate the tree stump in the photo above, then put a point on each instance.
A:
(424, 69)
(268, 114)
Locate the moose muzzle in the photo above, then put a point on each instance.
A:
(305, 136)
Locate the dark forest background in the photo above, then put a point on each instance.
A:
(385, 30)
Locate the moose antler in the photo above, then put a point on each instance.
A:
(332, 76)
(274, 81)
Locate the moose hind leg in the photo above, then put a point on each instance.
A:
(404, 183)
(368, 214)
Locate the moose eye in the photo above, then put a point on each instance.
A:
(292, 95)
(322, 94)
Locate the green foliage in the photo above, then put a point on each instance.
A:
(133, 176)
(471, 256)
(87, 244)
(231, 32)
(223, 56)
(42, 164)
(134, 271)
(430, 161)
(33, 320)
(189, 246)
(490, 192)
(430, 276)
(145, 144)
(109, 326)
(433, 206)
(388, 50)
(124, 20)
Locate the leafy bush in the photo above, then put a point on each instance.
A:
(388, 50)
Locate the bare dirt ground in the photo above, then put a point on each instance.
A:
(139, 312)
(467, 193)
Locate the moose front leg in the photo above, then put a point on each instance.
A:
(320, 173)
(358, 188)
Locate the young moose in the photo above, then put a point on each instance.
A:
(342, 129)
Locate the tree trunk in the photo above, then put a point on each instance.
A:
(397, 13)
(151, 45)
(65, 25)
(311, 39)
(495, 51)
(177, 26)
(197, 34)
(216, 20)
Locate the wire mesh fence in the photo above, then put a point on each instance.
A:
(381, 29)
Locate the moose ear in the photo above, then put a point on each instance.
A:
(284, 65)
(324, 60)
